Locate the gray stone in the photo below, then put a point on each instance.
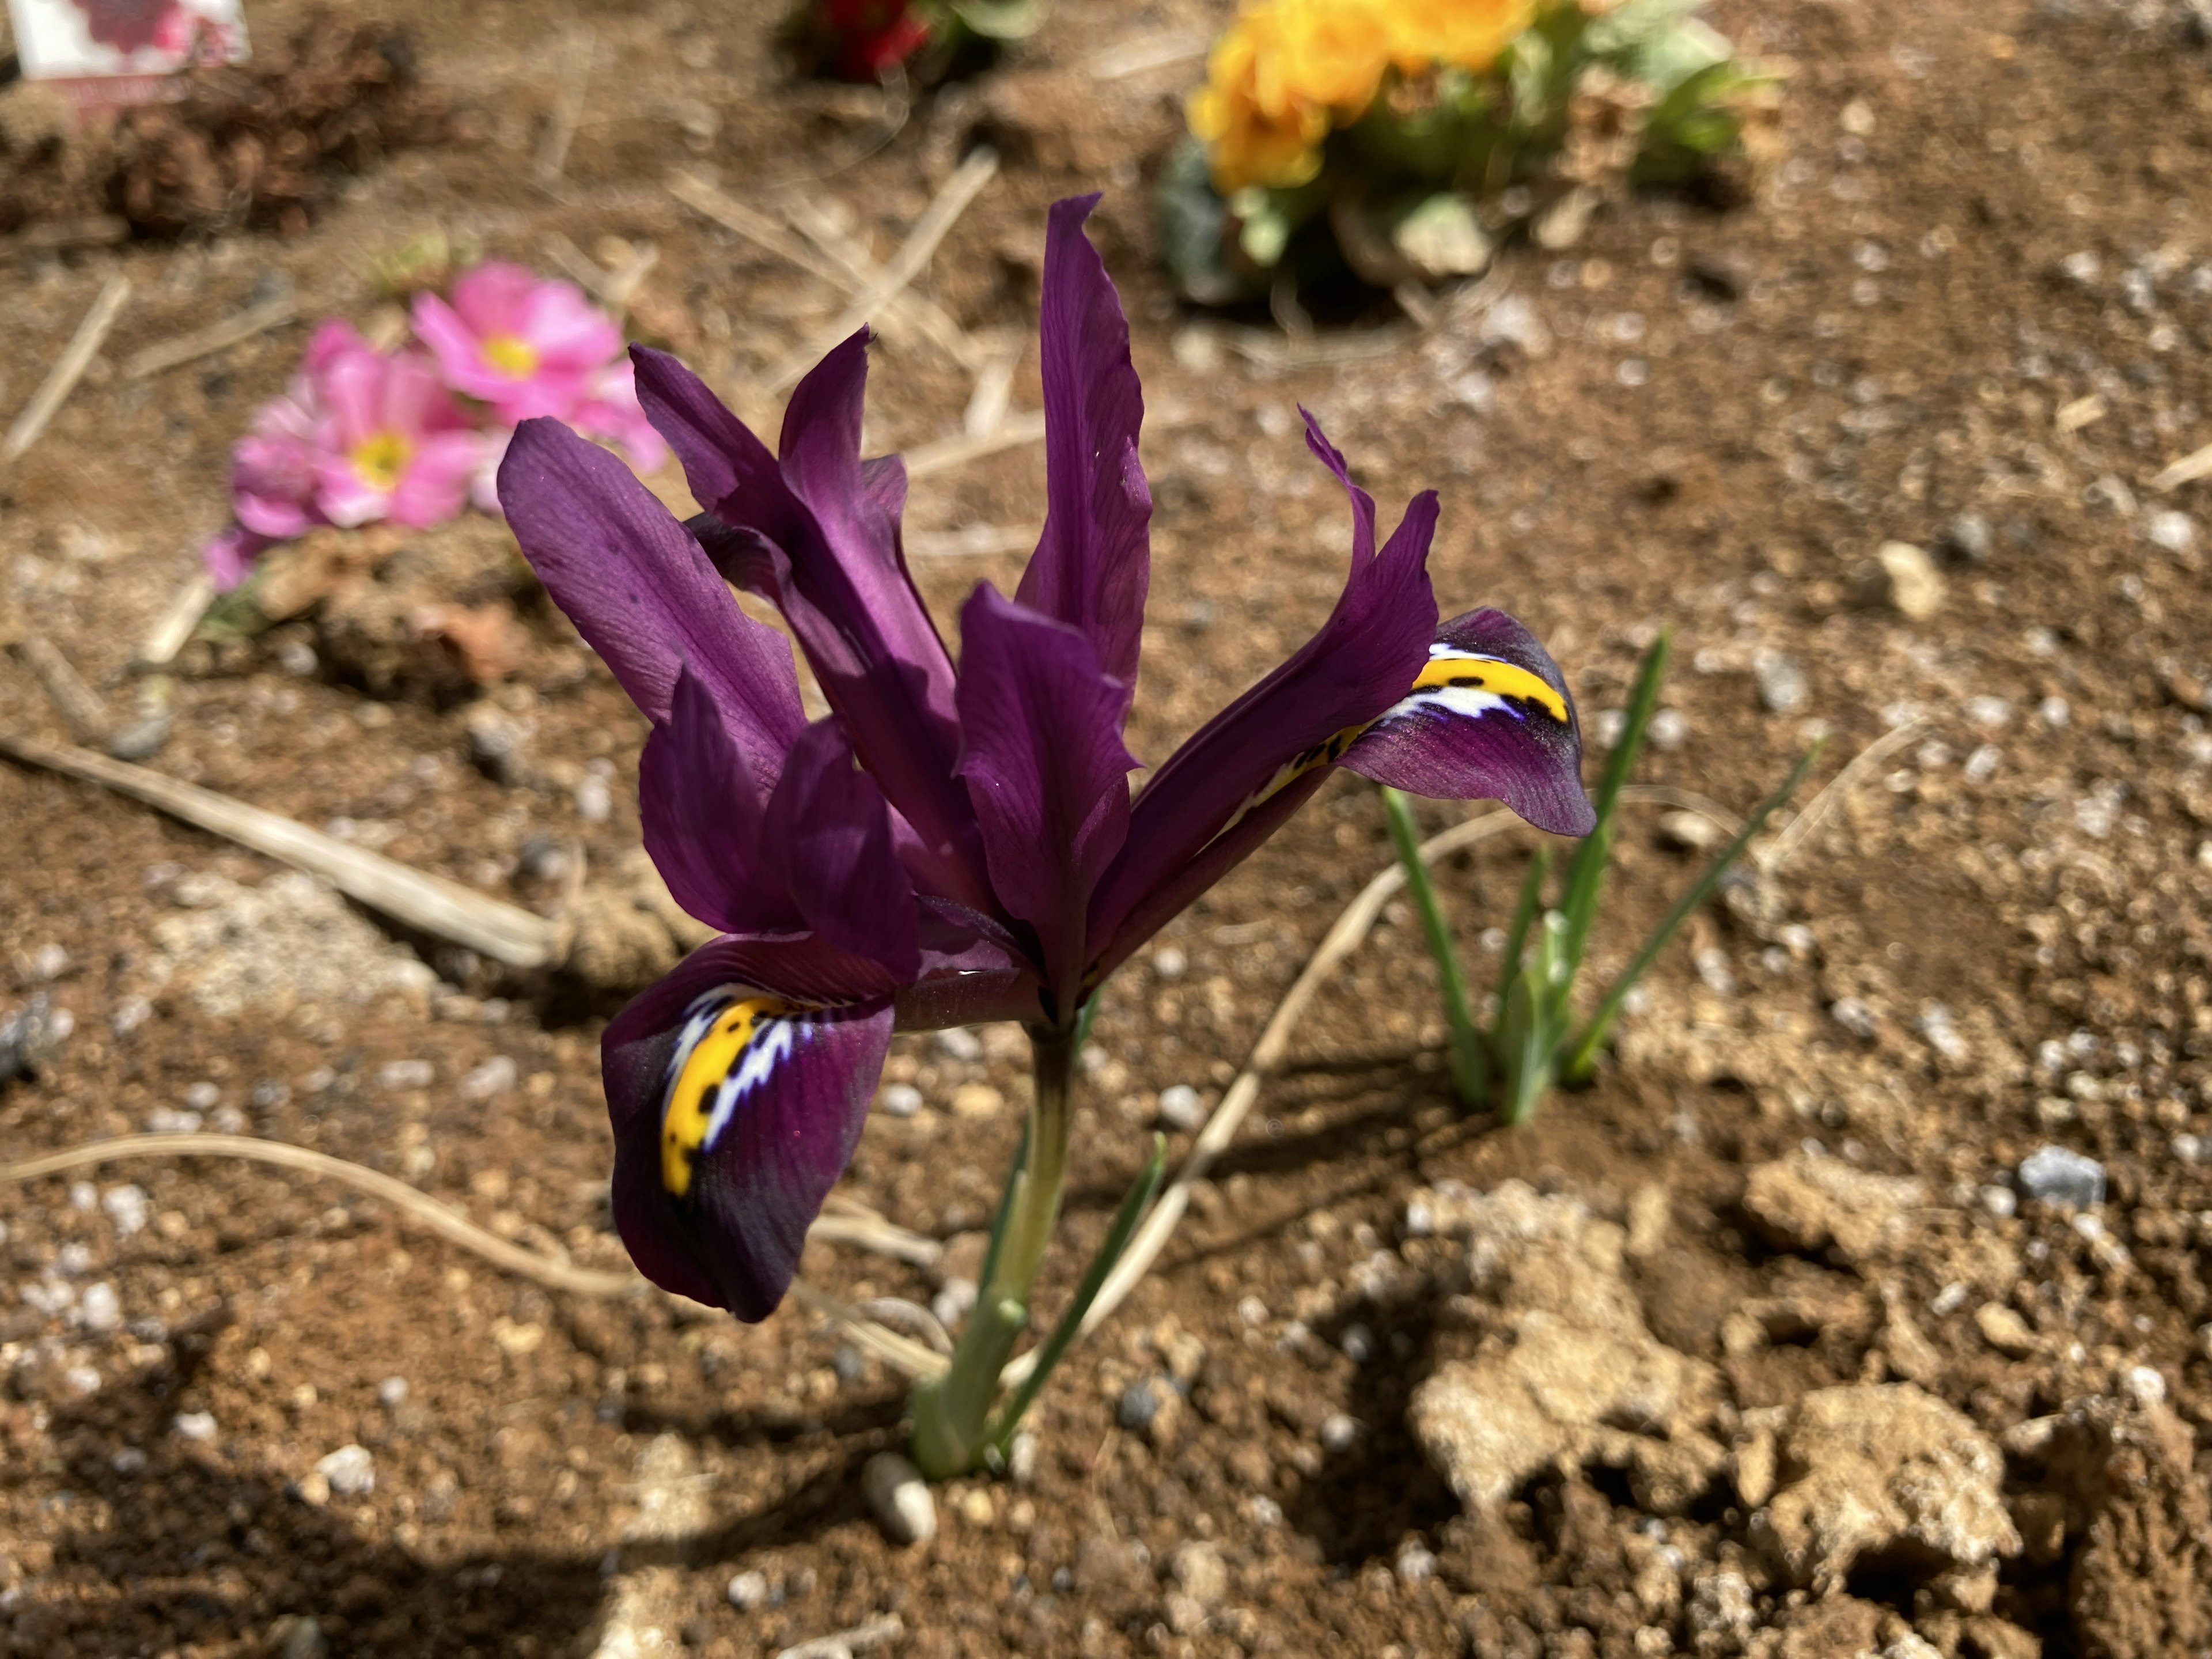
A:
(2174, 531)
(1966, 539)
(748, 1590)
(1181, 1109)
(2051, 1174)
(1781, 687)
(351, 1470)
(901, 1498)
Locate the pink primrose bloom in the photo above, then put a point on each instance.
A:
(525, 345)
(394, 443)
(610, 410)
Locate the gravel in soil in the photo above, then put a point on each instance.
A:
(1808, 1348)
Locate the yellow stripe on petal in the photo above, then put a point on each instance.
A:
(730, 1046)
(1461, 680)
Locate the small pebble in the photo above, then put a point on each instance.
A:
(203, 1096)
(748, 1590)
(1669, 729)
(902, 1099)
(896, 1492)
(2001, 1202)
(595, 798)
(495, 1077)
(406, 1074)
(1781, 680)
(2053, 1174)
(49, 962)
(1264, 1511)
(954, 1301)
(1138, 1405)
(1021, 1459)
(977, 1507)
(82, 1379)
(977, 1100)
(1252, 1310)
(197, 1426)
(391, 1392)
(1417, 1563)
(130, 1014)
(1966, 539)
(1357, 1343)
(1338, 1431)
(2145, 1385)
(98, 1310)
(352, 1471)
(128, 1462)
(83, 1196)
(2174, 531)
(850, 1364)
(959, 1043)
(1855, 1017)
(1180, 1109)
(169, 1121)
(1169, 964)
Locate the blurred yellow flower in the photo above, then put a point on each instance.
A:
(1285, 71)
(1465, 34)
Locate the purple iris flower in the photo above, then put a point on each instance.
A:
(951, 844)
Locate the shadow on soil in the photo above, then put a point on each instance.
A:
(183, 1549)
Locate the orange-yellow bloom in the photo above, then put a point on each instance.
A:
(1465, 34)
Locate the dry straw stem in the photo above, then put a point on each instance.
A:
(965, 185)
(505, 932)
(452, 1225)
(80, 706)
(1015, 431)
(614, 289)
(2188, 470)
(1785, 845)
(904, 313)
(169, 353)
(879, 1631)
(578, 49)
(77, 357)
(175, 624)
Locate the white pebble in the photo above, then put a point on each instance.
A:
(1357, 1343)
(83, 1195)
(74, 1258)
(83, 1379)
(595, 801)
(202, 1096)
(1181, 1109)
(2001, 1202)
(1338, 1431)
(98, 1309)
(901, 1501)
(1420, 1218)
(169, 1121)
(352, 1471)
(197, 1426)
(496, 1076)
(2145, 1386)
(1669, 729)
(1168, 963)
(748, 1590)
(959, 1043)
(2174, 531)
(1416, 1563)
(1264, 1511)
(902, 1099)
(1252, 1310)
(392, 1391)
(406, 1074)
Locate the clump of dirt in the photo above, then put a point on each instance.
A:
(247, 147)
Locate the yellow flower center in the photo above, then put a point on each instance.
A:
(379, 459)
(511, 355)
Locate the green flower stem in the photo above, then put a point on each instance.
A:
(1470, 1066)
(951, 1412)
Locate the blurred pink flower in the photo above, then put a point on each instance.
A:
(392, 444)
(610, 410)
(525, 345)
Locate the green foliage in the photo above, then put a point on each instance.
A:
(1535, 1042)
(1643, 94)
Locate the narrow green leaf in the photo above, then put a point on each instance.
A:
(1015, 1178)
(1470, 1068)
(1579, 1054)
(1586, 874)
(1133, 1204)
(1534, 1017)
(1516, 935)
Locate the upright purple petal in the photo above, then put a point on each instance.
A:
(1292, 723)
(737, 1094)
(702, 812)
(1488, 718)
(815, 533)
(1093, 564)
(642, 593)
(828, 835)
(1047, 770)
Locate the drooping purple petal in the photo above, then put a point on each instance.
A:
(1488, 718)
(1292, 722)
(1047, 770)
(702, 812)
(828, 837)
(736, 1104)
(642, 593)
(1093, 563)
(814, 533)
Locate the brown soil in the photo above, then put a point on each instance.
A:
(1870, 1419)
